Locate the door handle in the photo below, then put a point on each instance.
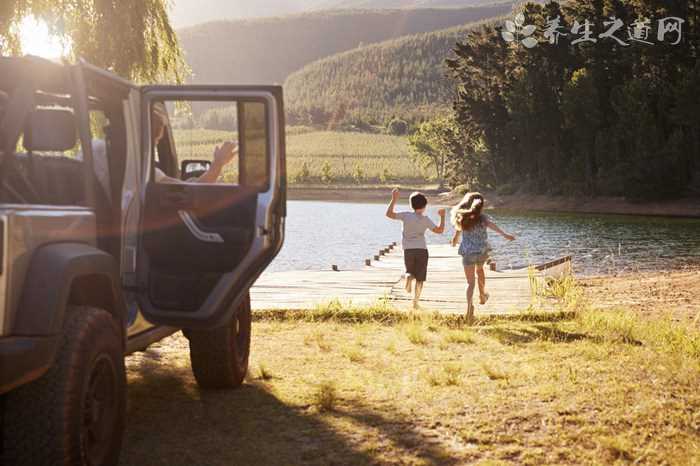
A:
(196, 231)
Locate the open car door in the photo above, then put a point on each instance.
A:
(205, 241)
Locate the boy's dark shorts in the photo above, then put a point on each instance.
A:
(416, 261)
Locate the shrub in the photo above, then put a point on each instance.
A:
(358, 174)
(325, 396)
(397, 127)
(462, 189)
(303, 175)
(385, 176)
(326, 173)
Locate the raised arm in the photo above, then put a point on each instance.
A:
(222, 156)
(440, 229)
(495, 228)
(390, 209)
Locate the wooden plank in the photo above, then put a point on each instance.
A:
(445, 290)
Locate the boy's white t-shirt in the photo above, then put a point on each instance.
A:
(414, 226)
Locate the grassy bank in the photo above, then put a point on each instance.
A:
(375, 386)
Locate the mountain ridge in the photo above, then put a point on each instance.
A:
(403, 77)
(268, 50)
(190, 13)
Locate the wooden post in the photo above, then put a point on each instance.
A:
(381, 252)
(335, 268)
(376, 258)
(368, 262)
(492, 266)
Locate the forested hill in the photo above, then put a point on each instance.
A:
(404, 77)
(268, 50)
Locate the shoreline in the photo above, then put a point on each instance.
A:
(681, 208)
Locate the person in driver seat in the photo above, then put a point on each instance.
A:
(223, 155)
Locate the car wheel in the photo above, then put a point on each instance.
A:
(220, 356)
(75, 413)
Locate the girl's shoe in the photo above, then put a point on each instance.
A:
(409, 283)
(483, 299)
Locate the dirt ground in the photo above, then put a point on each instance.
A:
(676, 293)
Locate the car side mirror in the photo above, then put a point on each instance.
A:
(193, 168)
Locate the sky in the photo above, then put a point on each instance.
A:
(189, 12)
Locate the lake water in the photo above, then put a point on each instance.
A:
(323, 233)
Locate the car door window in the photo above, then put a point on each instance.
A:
(187, 135)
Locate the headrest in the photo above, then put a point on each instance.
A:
(50, 130)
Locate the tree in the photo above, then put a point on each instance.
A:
(435, 143)
(132, 38)
(594, 119)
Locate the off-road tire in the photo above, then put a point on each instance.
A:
(219, 357)
(58, 419)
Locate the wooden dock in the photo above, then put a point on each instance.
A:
(444, 291)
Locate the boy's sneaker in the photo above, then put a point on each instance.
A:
(409, 283)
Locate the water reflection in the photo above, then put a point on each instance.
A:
(323, 233)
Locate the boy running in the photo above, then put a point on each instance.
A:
(415, 250)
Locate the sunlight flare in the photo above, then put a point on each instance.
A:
(37, 39)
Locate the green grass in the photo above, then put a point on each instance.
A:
(416, 333)
(565, 391)
(352, 158)
(463, 336)
(369, 385)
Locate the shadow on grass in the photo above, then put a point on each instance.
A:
(404, 434)
(172, 422)
(523, 335)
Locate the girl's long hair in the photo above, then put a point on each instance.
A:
(467, 213)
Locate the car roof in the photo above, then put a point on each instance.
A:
(48, 76)
(55, 78)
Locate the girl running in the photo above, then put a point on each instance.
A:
(471, 224)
